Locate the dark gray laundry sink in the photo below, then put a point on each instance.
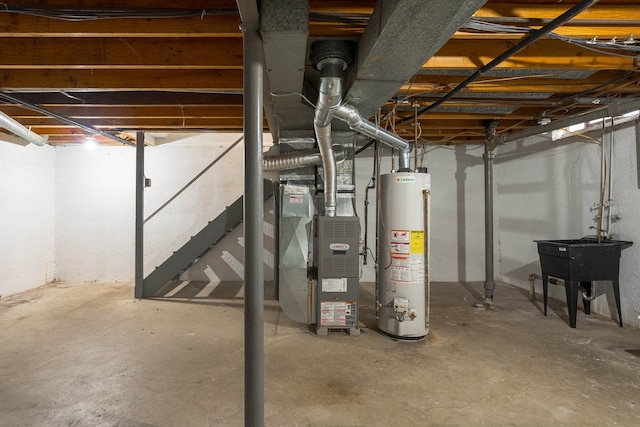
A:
(579, 262)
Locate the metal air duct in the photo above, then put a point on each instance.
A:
(331, 58)
(299, 159)
(18, 129)
(356, 122)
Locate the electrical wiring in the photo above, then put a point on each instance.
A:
(478, 24)
(293, 94)
(76, 15)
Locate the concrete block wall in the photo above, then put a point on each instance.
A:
(95, 213)
(27, 188)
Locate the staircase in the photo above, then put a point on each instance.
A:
(197, 246)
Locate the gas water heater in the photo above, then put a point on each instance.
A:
(402, 285)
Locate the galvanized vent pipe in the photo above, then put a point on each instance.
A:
(331, 58)
(329, 98)
(356, 122)
(18, 129)
(299, 159)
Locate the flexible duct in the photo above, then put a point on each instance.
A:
(357, 123)
(328, 100)
(298, 159)
(18, 129)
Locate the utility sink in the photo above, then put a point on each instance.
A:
(579, 262)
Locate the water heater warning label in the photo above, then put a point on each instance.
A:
(400, 236)
(417, 241)
(406, 270)
(400, 240)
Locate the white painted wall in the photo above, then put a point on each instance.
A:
(27, 177)
(170, 169)
(545, 190)
(95, 213)
(95, 202)
(72, 210)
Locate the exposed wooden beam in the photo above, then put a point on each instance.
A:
(125, 53)
(129, 98)
(541, 54)
(125, 4)
(140, 123)
(17, 25)
(70, 80)
(446, 126)
(532, 10)
(122, 112)
(439, 85)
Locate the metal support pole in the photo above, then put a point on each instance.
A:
(253, 219)
(139, 251)
(488, 156)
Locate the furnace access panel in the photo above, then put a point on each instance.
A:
(338, 270)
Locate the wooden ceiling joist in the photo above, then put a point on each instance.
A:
(183, 73)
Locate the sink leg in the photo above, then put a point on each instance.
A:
(571, 290)
(616, 294)
(586, 303)
(545, 286)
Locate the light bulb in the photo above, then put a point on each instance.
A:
(90, 143)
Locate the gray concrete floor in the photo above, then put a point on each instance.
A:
(90, 355)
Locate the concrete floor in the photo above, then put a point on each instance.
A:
(90, 355)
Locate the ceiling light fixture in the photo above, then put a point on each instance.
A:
(90, 143)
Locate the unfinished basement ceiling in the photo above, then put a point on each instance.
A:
(159, 66)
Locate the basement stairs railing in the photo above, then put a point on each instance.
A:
(198, 245)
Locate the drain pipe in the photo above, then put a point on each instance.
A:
(19, 130)
(299, 159)
(587, 295)
(489, 156)
(356, 122)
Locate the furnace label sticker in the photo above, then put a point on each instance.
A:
(334, 285)
(296, 189)
(296, 198)
(334, 313)
(417, 241)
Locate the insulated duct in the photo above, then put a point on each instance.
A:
(357, 123)
(18, 129)
(299, 159)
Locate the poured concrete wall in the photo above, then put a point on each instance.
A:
(27, 190)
